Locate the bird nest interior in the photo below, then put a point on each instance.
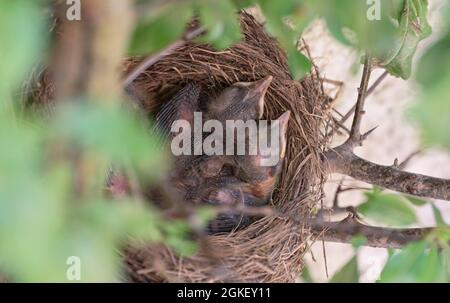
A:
(272, 248)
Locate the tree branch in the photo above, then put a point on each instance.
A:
(344, 231)
(342, 160)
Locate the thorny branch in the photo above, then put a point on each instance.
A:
(344, 231)
(342, 159)
(368, 93)
(355, 135)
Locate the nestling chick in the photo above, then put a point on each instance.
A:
(255, 170)
(247, 181)
(230, 192)
(180, 107)
(240, 101)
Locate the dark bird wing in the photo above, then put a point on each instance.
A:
(181, 106)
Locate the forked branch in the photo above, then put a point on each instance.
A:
(342, 160)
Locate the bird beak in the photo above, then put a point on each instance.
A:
(258, 90)
(283, 120)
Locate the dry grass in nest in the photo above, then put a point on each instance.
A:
(271, 249)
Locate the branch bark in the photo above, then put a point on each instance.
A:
(344, 231)
(342, 160)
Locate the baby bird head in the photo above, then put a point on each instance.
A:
(240, 101)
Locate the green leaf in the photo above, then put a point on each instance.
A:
(438, 216)
(176, 236)
(286, 20)
(413, 27)
(276, 11)
(221, 20)
(417, 262)
(299, 65)
(389, 209)
(434, 63)
(416, 201)
(348, 273)
(22, 38)
(348, 22)
(432, 110)
(204, 215)
(445, 257)
(306, 275)
(358, 241)
(114, 134)
(240, 4)
(431, 114)
(153, 34)
(392, 38)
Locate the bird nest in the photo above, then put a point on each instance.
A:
(272, 248)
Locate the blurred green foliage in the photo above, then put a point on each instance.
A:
(390, 31)
(21, 39)
(432, 111)
(418, 262)
(388, 209)
(52, 173)
(348, 273)
(46, 215)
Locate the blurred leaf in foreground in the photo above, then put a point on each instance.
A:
(113, 133)
(286, 21)
(433, 107)
(157, 31)
(413, 27)
(22, 37)
(348, 273)
(221, 21)
(389, 209)
(390, 35)
(418, 262)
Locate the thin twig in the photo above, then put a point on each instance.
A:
(368, 93)
(405, 162)
(324, 251)
(355, 134)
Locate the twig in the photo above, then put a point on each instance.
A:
(368, 93)
(324, 251)
(405, 162)
(355, 134)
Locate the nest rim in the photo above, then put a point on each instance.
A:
(272, 248)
